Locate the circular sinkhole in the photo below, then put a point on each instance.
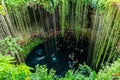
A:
(59, 53)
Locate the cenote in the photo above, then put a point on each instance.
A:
(59, 53)
(59, 39)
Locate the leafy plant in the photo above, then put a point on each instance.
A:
(84, 72)
(49, 5)
(17, 4)
(30, 45)
(2, 11)
(10, 46)
(0, 2)
(8, 71)
(110, 72)
(71, 75)
(107, 32)
(94, 3)
(42, 73)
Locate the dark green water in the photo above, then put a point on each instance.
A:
(59, 53)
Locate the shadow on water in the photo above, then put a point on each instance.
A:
(61, 54)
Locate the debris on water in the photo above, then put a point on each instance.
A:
(73, 46)
(60, 45)
(81, 50)
(70, 44)
(39, 51)
(61, 55)
(75, 61)
(71, 56)
(68, 47)
(58, 48)
(73, 42)
(77, 49)
(68, 37)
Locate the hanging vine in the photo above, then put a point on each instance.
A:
(73, 15)
(107, 37)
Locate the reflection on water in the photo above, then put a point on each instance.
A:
(59, 53)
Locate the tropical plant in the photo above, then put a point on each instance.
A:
(110, 72)
(42, 73)
(17, 4)
(30, 45)
(19, 21)
(94, 3)
(11, 47)
(84, 72)
(48, 5)
(107, 32)
(8, 71)
(73, 15)
(71, 75)
(75, 19)
(2, 11)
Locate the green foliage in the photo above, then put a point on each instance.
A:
(78, 19)
(16, 4)
(43, 74)
(63, 17)
(2, 11)
(107, 34)
(108, 28)
(9, 71)
(6, 59)
(49, 5)
(71, 75)
(110, 72)
(0, 2)
(102, 4)
(63, 13)
(84, 69)
(30, 45)
(81, 21)
(10, 46)
(94, 3)
(82, 73)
